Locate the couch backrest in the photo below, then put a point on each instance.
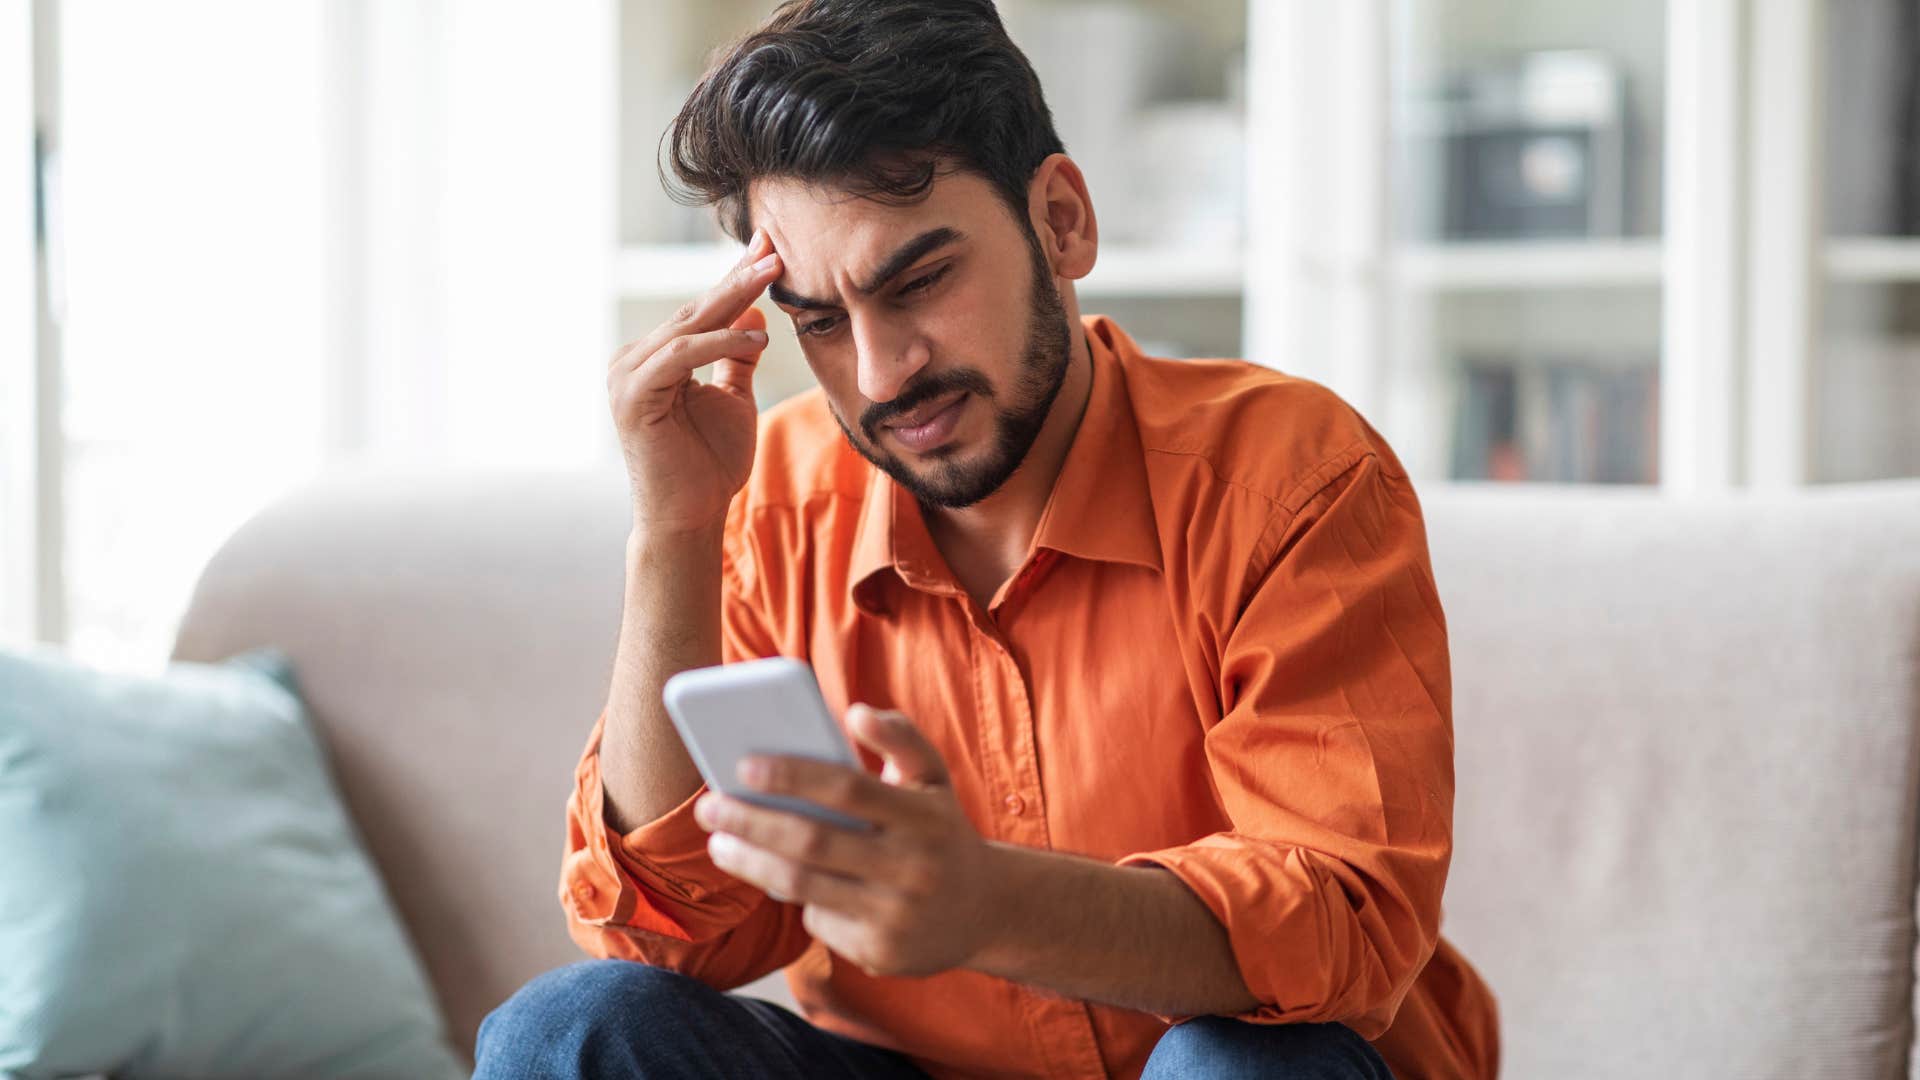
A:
(1685, 743)
(1686, 776)
(453, 634)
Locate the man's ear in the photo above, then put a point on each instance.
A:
(1061, 212)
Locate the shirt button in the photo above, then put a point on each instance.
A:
(1014, 804)
(583, 889)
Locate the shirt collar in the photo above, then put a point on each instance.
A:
(1101, 507)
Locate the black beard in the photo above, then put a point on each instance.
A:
(1043, 371)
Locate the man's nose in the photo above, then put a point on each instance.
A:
(887, 358)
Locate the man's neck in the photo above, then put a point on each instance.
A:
(991, 538)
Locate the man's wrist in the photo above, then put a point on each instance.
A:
(643, 536)
(1004, 912)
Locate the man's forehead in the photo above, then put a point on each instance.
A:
(831, 241)
(811, 219)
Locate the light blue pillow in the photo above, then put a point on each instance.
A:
(182, 893)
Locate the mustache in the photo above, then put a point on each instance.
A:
(920, 391)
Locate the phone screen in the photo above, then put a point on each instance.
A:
(770, 706)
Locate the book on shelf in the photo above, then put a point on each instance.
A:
(1557, 419)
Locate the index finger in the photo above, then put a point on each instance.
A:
(724, 302)
(720, 307)
(827, 783)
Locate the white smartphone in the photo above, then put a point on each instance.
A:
(770, 706)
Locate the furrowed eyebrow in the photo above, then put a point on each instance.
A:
(903, 257)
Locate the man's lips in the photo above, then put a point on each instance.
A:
(936, 425)
(925, 412)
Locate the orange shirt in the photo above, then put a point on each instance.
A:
(1224, 654)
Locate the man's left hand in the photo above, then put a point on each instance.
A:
(912, 897)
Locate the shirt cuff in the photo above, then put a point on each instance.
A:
(657, 877)
(1272, 900)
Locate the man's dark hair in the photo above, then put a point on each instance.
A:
(874, 97)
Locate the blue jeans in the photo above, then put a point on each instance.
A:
(617, 1018)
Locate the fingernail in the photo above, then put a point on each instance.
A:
(721, 845)
(758, 336)
(767, 262)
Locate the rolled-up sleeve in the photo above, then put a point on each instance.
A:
(1332, 759)
(653, 894)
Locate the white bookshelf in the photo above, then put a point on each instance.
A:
(1164, 272)
(1482, 265)
(1717, 276)
(1873, 261)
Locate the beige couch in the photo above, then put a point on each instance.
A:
(1686, 744)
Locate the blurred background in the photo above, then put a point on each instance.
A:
(246, 242)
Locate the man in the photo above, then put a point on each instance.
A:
(1143, 655)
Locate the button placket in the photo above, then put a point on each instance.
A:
(989, 714)
(998, 677)
(1023, 798)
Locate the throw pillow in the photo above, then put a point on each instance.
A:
(182, 892)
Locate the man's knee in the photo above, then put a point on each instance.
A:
(599, 1010)
(1223, 1047)
(591, 994)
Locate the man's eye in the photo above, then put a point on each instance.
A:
(921, 283)
(825, 325)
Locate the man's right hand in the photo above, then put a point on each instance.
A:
(688, 445)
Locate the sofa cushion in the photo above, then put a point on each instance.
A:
(181, 890)
(1687, 746)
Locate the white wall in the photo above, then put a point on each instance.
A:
(478, 201)
(17, 339)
